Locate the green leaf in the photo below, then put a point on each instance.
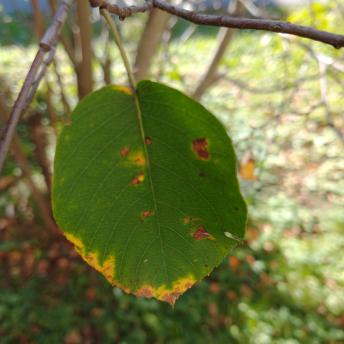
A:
(149, 198)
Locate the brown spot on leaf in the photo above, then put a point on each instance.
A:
(148, 140)
(145, 291)
(200, 233)
(146, 213)
(140, 160)
(122, 89)
(124, 152)
(107, 268)
(187, 220)
(171, 298)
(138, 179)
(166, 294)
(200, 147)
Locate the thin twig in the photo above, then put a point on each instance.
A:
(225, 37)
(37, 70)
(122, 12)
(335, 40)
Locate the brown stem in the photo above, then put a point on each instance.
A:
(149, 42)
(224, 38)
(335, 40)
(38, 20)
(85, 67)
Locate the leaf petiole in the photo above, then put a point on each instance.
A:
(112, 26)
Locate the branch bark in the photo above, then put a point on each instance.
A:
(84, 68)
(224, 38)
(149, 43)
(336, 40)
(37, 70)
(38, 19)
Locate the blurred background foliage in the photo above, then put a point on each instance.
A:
(281, 99)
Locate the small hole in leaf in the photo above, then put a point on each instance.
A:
(201, 174)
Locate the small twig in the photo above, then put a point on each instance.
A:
(335, 40)
(34, 76)
(122, 12)
(112, 26)
(225, 37)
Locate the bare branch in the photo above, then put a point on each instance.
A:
(335, 40)
(85, 77)
(37, 70)
(122, 12)
(224, 38)
(149, 42)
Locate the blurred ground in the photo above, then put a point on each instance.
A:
(284, 284)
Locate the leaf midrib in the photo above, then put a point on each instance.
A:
(149, 172)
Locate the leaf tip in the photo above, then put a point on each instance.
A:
(169, 295)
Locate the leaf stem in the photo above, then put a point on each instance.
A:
(112, 26)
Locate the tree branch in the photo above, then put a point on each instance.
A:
(224, 38)
(37, 70)
(335, 40)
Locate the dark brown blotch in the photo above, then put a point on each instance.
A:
(200, 147)
(146, 213)
(200, 233)
(124, 152)
(138, 179)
